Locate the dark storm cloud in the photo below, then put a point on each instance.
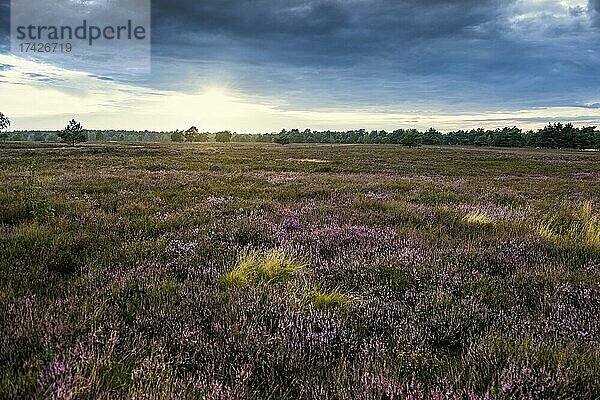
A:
(314, 31)
(341, 47)
(304, 17)
(4, 25)
(366, 50)
(594, 10)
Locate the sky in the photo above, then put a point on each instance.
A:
(260, 66)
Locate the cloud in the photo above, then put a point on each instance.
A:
(388, 52)
(594, 12)
(396, 56)
(118, 55)
(314, 32)
(39, 96)
(4, 25)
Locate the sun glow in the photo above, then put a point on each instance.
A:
(216, 92)
(40, 96)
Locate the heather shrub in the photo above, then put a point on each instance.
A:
(240, 271)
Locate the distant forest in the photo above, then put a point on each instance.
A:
(555, 135)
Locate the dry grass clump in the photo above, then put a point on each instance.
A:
(478, 218)
(580, 225)
(274, 266)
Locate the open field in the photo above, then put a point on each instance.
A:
(318, 272)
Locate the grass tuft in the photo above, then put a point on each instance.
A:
(580, 226)
(274, 266)
(477, 217)
(329, 300)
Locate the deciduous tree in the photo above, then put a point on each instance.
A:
(223, 137)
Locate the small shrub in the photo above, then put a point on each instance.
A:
(42, 211)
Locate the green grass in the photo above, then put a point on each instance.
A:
(271, 267)
(327, 300)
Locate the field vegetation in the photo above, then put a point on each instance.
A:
(247, 271)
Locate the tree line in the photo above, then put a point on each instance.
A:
(112, 135)
(553, 135)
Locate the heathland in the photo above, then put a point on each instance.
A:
(249, 271)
